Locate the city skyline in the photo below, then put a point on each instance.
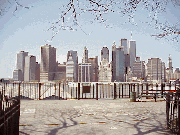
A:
(27, 30)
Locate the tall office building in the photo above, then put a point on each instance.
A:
(170, 64)
(85, 55)
(70, 69)
(113, 62)
(21, 62)
(139, 68)
(118, 64)
(123, 42)
(105, 74)
(155, 70)
(30, 68)
(94, 69)
(127, 62)
(74, 56)
(105, 53)
(48, 63)
(61, 72)
(17, 75)
(84, 72)
(37, 72)
(132, 52)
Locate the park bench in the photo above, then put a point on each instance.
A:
(151, 93)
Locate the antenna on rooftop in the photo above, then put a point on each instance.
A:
(131, 35)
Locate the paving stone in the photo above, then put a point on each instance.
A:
(93, 117)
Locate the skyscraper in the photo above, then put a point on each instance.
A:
(37, 72)
(70, 69)
(155, 70)
(85, 55)
(84, 72)
(113, 62)
(74, 56)
(139, 68)
(132, 52)
(105, 74)
(105, 53)
(17, 75)
(170, 64)
(48, 63)
(94, 69)
(118, 64)
(30, 68)
(21, 62)
(123, 42)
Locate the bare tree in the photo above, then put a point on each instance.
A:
(71, 12)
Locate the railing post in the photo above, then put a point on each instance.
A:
(39, 91)
(129, 90)
(114, 90)
(19, 90)
(78, 91)
(134, 87)
(55, 89)
(138, 89)
(93, 91)
(122, 91)
(96, 91)
(119, 90)
(59, 90)
(147, 90)
(162, 90)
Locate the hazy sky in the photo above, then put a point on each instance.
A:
(26, 30)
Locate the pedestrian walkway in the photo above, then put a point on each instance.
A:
(102, 117)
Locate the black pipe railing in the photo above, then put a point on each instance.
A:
(9, 112)
(173, 111)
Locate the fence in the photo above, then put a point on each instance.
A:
(93, 90)
(9, 114)
(173, 111)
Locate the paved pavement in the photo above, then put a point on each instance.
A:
(91, 117)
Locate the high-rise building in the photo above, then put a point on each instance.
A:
(170, 64)
(139, 68)
(84, 72)
(61, 72)
(85, 55)
(132, 52)
(37, 72)
(94, 69)
(123, 42)
(118, 64)
(105, 53)
(70, 69)
(30, 68)
(155, 70)
(48, 63)
(113, 62)
(17, 75)
(105, 74)
(127, 62)
(74, 56)
(21, 62)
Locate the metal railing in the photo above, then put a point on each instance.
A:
(9, 114)
(173, 111)
(94, 90)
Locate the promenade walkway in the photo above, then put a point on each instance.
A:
(102, 117)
